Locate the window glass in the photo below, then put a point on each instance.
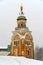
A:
(27, 42)
(16, 43)
(28, 52)
(21, 25)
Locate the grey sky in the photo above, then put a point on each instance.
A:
(9, 10)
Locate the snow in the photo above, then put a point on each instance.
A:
(12, 60)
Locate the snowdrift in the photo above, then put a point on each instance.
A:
(12, 60)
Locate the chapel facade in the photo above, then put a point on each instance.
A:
(22, 40)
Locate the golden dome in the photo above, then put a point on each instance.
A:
(21, 18)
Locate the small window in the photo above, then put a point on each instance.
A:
(16, 43)
(27, 43)
(28, 52)
(21, 25)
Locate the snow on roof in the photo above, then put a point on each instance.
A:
(15, 60)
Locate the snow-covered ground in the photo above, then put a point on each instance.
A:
(12, 60)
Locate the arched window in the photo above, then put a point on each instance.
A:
(16, 42)
(28, 52)
(27, 43)
(22, 25)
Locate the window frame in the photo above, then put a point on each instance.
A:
(27, 42)
(16, 42)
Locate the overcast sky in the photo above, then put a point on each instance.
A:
(9, 11)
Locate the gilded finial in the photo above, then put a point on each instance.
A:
(21, 7)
